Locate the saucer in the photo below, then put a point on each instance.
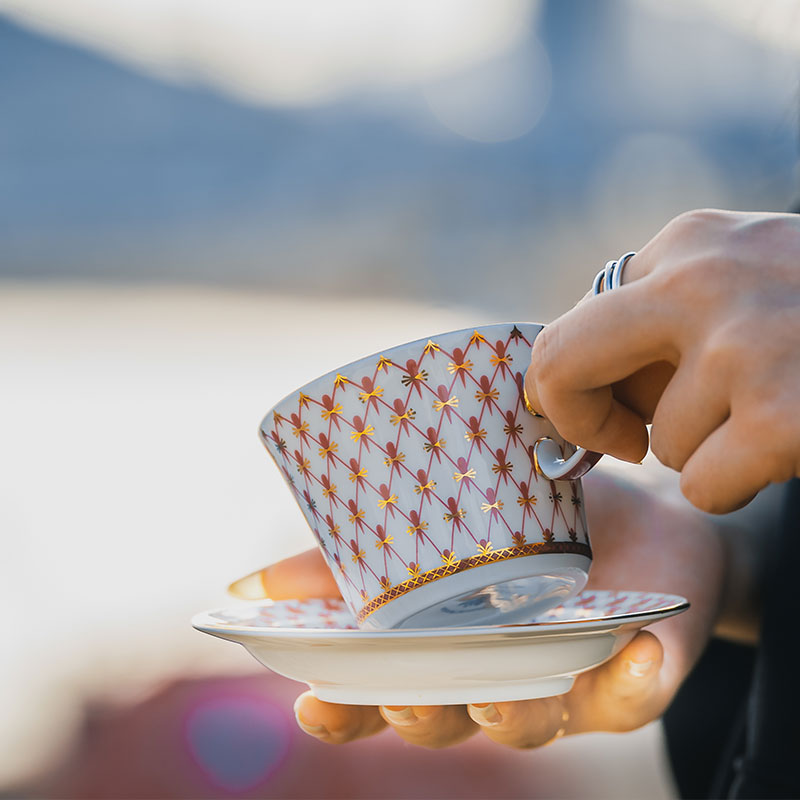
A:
(318, 643)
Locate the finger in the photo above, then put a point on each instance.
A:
(641, 391)
(430, 726)
(691, 408)
(576, 359)
(297, 578)
(524, 724)
(728, 469)
(622, 694)
(334, 723)
(596, 420)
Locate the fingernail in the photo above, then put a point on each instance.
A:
(640, 668)
(400, 715)
(311, 730)
(251, 587)
(485, 714)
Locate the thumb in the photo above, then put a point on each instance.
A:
(624, 693)
(297, 578)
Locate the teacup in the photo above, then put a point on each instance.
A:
(437, 497)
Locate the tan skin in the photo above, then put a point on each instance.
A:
(702, 342)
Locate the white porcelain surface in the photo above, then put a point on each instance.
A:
(317, 642)
(415, 469)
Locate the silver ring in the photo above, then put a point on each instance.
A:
(610, 277)
(597, 284)
(608, 282)
(616, 281)
(600, 283)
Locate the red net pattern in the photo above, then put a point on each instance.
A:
(411, 469)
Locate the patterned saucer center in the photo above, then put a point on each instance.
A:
(334, 614)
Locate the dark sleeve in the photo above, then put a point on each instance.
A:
(770, 766)
(732, 729)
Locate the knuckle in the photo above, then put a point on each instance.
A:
(722, 350)
(544, 360)
(699, 219)
(770, 427)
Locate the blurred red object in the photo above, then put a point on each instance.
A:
(236, 737)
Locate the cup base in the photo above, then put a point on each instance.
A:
(510, 593)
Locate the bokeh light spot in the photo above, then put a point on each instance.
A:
(238, 741)
(495, 101)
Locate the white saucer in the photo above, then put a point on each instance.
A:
(317, 642)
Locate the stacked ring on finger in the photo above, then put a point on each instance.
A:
(610, 277)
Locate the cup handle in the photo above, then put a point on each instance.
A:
(550, 463)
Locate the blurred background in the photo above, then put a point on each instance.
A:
(204, 204)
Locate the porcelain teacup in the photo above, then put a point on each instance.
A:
(437, 498)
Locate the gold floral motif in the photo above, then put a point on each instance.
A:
(391, 500)
(466, 365)
(459, 476)
(497, 506)
(420, 528)
(419, 488)
(495, 359)
(428, 446)
(459, 513)
(407, 380)
(381, 543)
(482, 397)
(340, 380)
(358, 515)
(329, 450)
(502, 467)
(438, 405)
(398, 459)
(448, 558)
(354, 476)
(376, 392)
(477, 337)
(327, 413)
(431, 347)
(384, 363)
(395, 419)
(358, 556)
(301, 428)
(512, 430)
(369, 430)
